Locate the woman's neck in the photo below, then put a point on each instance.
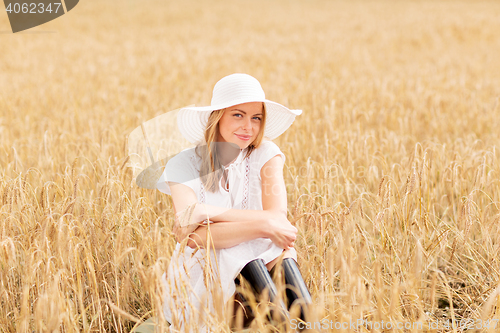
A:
(228, 153)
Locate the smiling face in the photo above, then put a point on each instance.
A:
(240, 124)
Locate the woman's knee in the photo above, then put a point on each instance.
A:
(291, 253)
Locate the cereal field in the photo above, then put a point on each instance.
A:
(392, 170)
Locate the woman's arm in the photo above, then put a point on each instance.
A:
(225, 234)
(190, 211)
(228, 234)
(235, 225)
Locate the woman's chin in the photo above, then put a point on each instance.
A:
(240, 143)
(243, 145)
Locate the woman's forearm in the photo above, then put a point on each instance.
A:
(221, 214)
(223, 235)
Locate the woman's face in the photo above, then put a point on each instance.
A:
(240, 124)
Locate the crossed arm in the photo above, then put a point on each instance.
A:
(235, 226)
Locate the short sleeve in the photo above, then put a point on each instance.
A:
(179, 169)
(265, 152)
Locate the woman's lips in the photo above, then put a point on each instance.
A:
(243, 137)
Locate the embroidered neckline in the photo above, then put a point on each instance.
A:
(244, 203)
(240, 159)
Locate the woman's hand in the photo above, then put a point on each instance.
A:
(282, 233)
(187, 221)
(182, 233)
(191, 215)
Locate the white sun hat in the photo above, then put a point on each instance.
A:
(232, 90)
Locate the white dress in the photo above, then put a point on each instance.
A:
(186, 278)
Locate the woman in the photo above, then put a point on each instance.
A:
(229, 196)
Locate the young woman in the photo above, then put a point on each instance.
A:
(230, 198)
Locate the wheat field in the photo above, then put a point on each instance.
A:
(392, 170)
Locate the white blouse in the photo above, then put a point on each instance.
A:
(188, 297)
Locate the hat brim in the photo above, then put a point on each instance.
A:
(192, 121)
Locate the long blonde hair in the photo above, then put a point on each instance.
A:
(211, 170)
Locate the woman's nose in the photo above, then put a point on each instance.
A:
(247, 124)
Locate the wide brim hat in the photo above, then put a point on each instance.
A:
(233, 90)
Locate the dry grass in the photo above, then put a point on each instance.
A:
(393, 169)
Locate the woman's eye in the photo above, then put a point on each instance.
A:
(238, 115)
(258, 118)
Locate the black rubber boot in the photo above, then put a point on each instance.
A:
(256, 273)
(296, 289)
(240, 302)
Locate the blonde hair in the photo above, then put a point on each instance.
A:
(211, 170)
